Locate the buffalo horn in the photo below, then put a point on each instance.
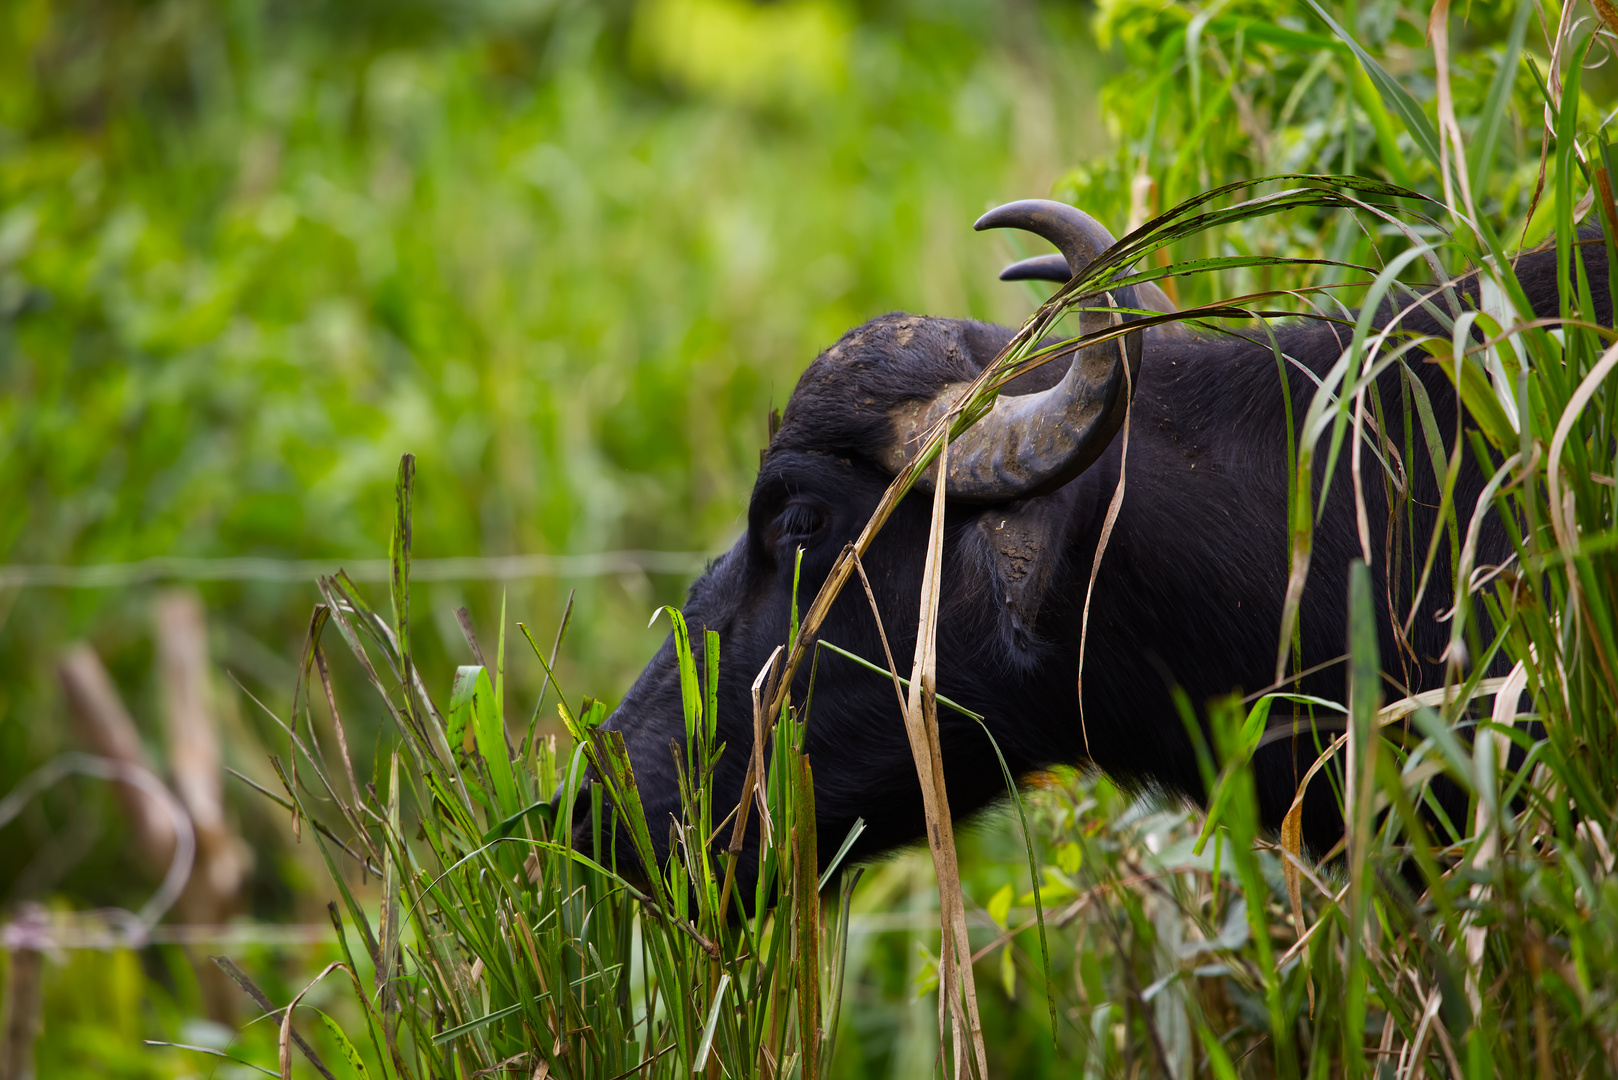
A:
(1054, 267)
(1032, 444)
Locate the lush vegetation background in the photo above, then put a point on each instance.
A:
(570, 254)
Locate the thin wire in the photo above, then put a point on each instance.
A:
(111, 929)
(489, 568)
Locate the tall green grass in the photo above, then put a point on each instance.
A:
(500, 945)
(1479, 946)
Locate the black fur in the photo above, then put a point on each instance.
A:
(1189, 594)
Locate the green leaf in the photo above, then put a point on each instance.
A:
(1396, 96)
(999, 905)
(1364, 698)
(1481, 400)
(541, 809)
(1248, 736)
(1365, 658)
(350, 1053)
(1218, 1060)
(1008, 970)
(705, 1046)
(830, 868)
(389, 947)
(460, 706)
(1257, 719)
(710, 686)
(1493, 117)
(1455, 755)
(611, 760)
(792, 626)
(211, 1052)
(806, 901)
(1297, 41)
(690, 690)
(594, 715)
(475, 715)
(1070, 857)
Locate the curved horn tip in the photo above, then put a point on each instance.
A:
(1018, 214)
(1079, 236)
(1051, 267)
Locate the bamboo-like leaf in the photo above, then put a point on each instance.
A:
(1397, 97)
(1493, 117)
(489, 727)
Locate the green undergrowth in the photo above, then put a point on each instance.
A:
(504, 943)
(1480, 945)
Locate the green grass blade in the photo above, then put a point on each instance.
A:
(1397, 97)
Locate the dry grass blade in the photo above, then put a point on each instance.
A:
(1115, 505)
(1492, 748)
(957, 989)
(762, 688)
(287, 1034)
(337, 723)
(464, 618)
(882, 633)
(277, 1016)
(1292, 843)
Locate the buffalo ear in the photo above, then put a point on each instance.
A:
(1025, 544)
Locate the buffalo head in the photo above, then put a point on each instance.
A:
(1188, 598)
(857, 415)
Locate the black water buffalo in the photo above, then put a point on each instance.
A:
(1190, 589)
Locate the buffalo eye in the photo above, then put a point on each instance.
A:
(797, 523)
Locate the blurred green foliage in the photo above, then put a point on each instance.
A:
(1225, 92)
(568, 253)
